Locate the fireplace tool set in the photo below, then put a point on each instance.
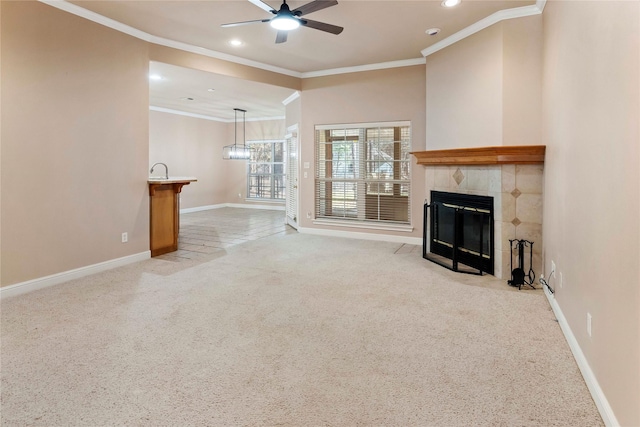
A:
(519, 276)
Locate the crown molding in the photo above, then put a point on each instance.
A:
(501, 15)
(97, 18)
(184, 113)
(211, 118)
(368, 67)
(223, 56)
(295, 95)
(262, 119)
(118, 26)
(540, 4)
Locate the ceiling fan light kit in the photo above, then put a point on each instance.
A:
(286, 19)
(284, 23)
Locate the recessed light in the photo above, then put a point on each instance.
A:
(188, 98)
(236, 42)
(211, 90)
(155, 77)
(433, 31)
(451, 3)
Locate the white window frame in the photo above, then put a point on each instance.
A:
(273, 175)
(358, 180)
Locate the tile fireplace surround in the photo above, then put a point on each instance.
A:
(517, 201)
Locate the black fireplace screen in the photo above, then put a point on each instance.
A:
(461, 232)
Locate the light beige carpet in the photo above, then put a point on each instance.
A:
(291, 330)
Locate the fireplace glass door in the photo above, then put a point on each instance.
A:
(461, 228)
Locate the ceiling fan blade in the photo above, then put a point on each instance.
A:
(314, 6)
(281, 37)
(333, 29)
(262, 5)
(235, 24)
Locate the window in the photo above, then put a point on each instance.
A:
(362, 172)
(265, 170)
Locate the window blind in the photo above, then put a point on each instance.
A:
(363, 172)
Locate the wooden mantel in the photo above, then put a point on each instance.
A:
(519, 155)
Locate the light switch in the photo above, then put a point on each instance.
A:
(305, 174)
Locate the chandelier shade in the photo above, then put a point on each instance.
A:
(237, 151)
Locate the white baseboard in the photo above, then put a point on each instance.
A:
(203, 208)
(256, 206)
(233, 205)
(54, 279)
(364, 236)
(606, 412)
(402, 228)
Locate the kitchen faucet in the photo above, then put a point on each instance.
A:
(165, 168)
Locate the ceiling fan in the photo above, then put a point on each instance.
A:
(286, 19)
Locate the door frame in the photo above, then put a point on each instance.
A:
(293, 132)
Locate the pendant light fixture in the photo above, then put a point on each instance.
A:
(237, 151)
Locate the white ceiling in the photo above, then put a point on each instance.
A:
(259, 99)
(375, 32)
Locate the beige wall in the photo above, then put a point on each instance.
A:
(213, 65)
(464, 93)
(193, 147)
(485, 90)
(373, 96)
(592, 203)
(235, 172)
(521, 81)
(568, 79)
(75, 147)
(74, 142)
(1, 79)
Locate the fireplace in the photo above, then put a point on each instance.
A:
(461, 235)
(512, 175)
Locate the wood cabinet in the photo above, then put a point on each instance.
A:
(164, 209)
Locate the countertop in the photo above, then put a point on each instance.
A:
(171, 180)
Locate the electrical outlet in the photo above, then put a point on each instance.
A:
(589, 324)
(308, 215)
(125, 237)
(553, 269)
(239, 195)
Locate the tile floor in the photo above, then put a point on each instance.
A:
(206, 234)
